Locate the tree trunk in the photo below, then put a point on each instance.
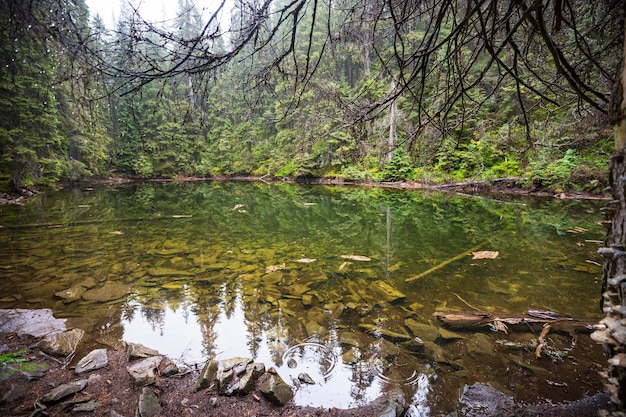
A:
(612, 331)
(391, 141)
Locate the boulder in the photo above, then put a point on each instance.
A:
(36, 323)
(95, 359)
(61, 343)
(275, 390)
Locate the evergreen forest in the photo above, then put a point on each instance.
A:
(315, 89)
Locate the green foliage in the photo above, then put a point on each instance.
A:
(11, 363)
(399, 168)
(235, 124)
(556, 174)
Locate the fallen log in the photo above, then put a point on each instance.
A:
(534, 321)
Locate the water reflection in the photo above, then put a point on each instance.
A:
(315, 280)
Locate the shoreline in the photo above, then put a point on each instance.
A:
(111, 390)
(502, 186)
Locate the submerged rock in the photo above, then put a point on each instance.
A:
(109, 292)
(306, 378)
(390, 335)
(71, 294)
(422, 330)
(62, 343)
(386, 291)
(351, 356)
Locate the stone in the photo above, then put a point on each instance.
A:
(305, 378)
(169, 272)
(148, 404)
(351, 356)
(108, 292)
(314, 328)
(350, 339)
(61, 343)
(36, 323)
(206, 376)
(422, 330)
(143, 371)
(392, 409)
(449, 335)
(139, 351)
(307, 300)
(386, 291)
(115, 414)
(243, 384)
(167, 367)
(38, 371)
(386, 333)
(71, 294)
(224, 379)
(275, 390)
(63, 391)
(480, 345)
(414, 345)
(237, 364)
(12, 393)
(95, 359)
(88, 407)
(482, 399)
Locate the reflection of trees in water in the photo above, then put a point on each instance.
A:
(206, 301)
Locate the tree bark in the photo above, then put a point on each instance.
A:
(612, 331)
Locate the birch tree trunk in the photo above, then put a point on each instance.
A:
(393, 108)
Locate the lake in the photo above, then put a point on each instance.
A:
(340, 283)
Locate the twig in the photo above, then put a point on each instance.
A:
(465, 302)
(542, 340)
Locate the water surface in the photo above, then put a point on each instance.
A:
(317, 280)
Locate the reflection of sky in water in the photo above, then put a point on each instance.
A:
(178, 335)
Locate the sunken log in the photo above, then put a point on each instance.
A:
(533, 320)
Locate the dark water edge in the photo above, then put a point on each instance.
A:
(237, 276)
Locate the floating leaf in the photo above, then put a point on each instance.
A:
(356, 258)
(485, 254)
